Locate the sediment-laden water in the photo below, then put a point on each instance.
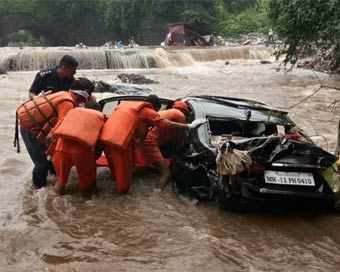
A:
(143, 231)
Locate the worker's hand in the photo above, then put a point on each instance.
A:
(42, 93)
(92, 98)
(197, 123)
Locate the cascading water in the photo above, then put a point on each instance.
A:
(28, 59)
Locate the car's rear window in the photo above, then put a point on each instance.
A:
(234, 129)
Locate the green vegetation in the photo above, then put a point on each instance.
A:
(26, 38)
(308, 25)
(301, 24)
(35, 9)
(124, 18)
(231, 23)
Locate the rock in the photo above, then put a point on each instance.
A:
(80, 46)
(3, 71)
(102, 86)
(265, 62)
(135, 79)
(246, 42)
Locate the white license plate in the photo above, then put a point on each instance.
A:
(289, 178)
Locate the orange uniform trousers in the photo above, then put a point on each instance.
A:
(70, 153)
(121, 161)
(121, 165)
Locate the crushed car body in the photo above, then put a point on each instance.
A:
(248, 152)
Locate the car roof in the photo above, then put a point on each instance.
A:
(222, 107)
(236, 108)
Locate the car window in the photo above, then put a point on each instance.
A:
(109, 107)
(110, 104)
(235, 129)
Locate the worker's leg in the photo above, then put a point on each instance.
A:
(37, 153)
(165, 173)
(153, 156)
(121, 161)
(107, 153)
(86, 169)
(62, 163)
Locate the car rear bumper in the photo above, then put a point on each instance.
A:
(252, 191)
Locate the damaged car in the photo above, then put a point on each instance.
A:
(246, 152)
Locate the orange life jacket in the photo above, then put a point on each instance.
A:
(125, 125)
(166, 135)
(40, 115)
(81, 125)
(35, 114)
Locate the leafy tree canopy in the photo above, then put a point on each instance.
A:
(124, 18)
(308, 24)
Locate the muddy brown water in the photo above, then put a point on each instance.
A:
(143, 231)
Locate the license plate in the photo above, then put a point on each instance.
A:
(289, 178)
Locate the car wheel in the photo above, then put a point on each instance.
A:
(228, 195)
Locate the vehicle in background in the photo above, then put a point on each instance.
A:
(184, 35)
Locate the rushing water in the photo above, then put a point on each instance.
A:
(143, 231)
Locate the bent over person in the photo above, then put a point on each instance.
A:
(37, 117)
(76, 139)
(148, 152)
(126, 128)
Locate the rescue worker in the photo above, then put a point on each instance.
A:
(56, 79)
(148, 152)
(76, 139)
(126, 128)
(34, 131)
(270, 36)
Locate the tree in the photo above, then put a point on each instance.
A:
(308, 24)
(236, 17)
(122, 17)
(125, 18)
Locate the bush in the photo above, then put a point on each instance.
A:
(25, 38)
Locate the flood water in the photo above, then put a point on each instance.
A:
(143, 231)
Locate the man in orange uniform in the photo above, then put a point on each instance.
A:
(70, 151)
(148, 153)
(120, 142)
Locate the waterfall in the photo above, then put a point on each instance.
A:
(36, 58)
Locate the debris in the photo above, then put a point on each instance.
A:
(80, 46)
(231, 161)
(102, 86)
(135, 79)
(184, 35)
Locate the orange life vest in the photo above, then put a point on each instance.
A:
(125, 125)
(40, 115)
(81, 125)
(166, 135)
